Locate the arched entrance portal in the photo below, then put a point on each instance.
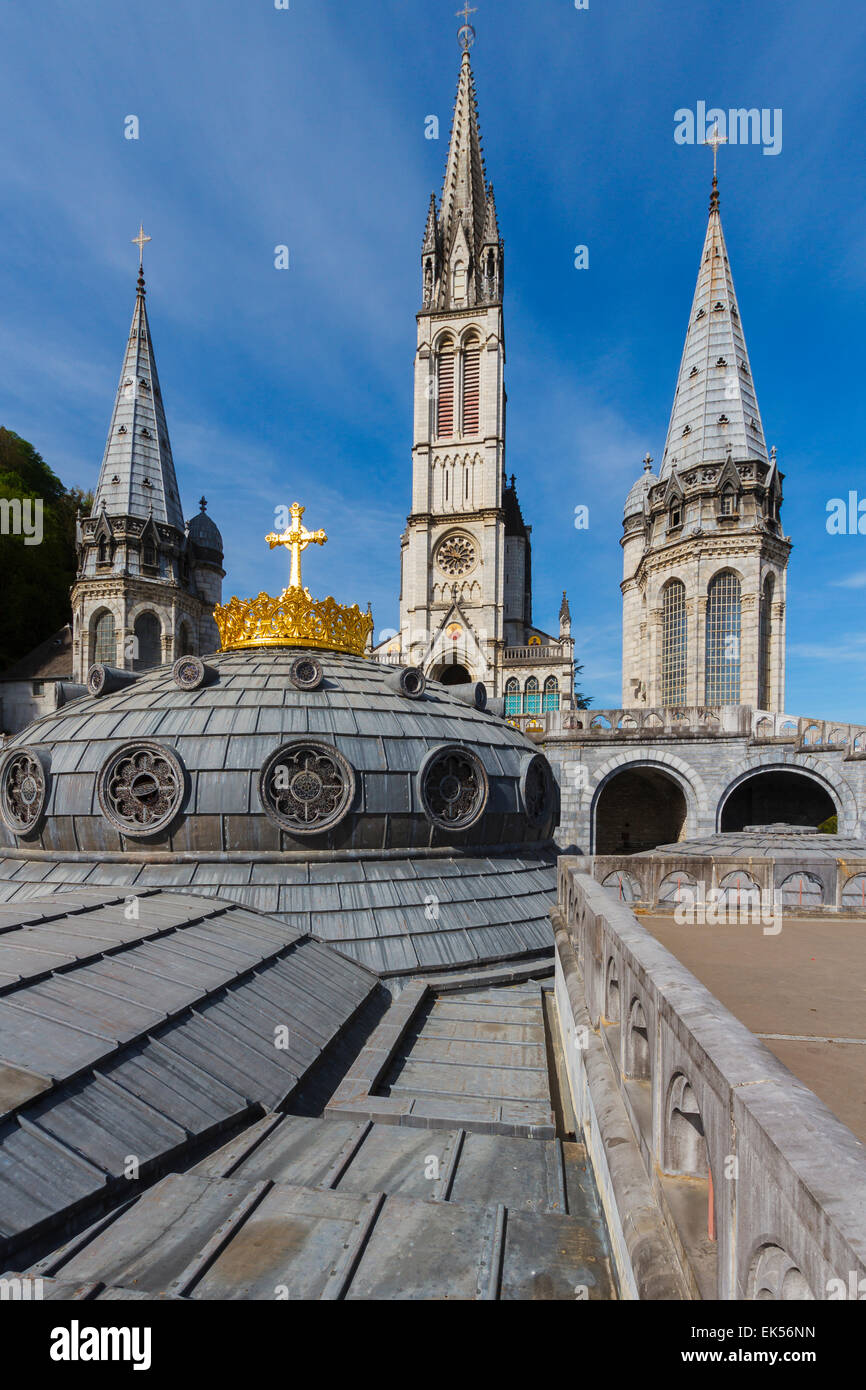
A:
(768, 797)
(454, 675)
(637, 809)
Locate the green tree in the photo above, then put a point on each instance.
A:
(35, 579)
(581, 701)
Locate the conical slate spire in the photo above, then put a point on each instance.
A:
(464, 190)
(137, 477)
(715, 412)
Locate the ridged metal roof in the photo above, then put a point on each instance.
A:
(138, 1036)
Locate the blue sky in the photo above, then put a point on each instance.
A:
(306, 127)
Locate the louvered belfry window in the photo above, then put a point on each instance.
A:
(445, 393)
(471, 388)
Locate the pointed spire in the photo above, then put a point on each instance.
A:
(490, 236)
(464, 191)
(430, 229)
(137, 477)
(715, 411)
(564, 610)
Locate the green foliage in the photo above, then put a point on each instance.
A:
(581, 701)
(830, 826)
(34, 579)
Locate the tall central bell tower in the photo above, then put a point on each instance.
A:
(454, 613)
(466, 553)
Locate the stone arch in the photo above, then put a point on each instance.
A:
(148, 632)
(611, 991)
(820, 772)
(684, 1143)
(802, 889)
(688, 780)
(625, 887)
(638, 1055)
(775, 1276)
(102, 631)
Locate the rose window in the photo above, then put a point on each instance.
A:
(141, 788)
(307, 787)
(453, 787)
(456, 555)
(23, 789)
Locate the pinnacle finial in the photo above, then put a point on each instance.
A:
(139, 241)
(203, 503)
(648, 462)
(714, 142)
(466, 33)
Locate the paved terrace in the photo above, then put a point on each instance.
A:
(802, 992)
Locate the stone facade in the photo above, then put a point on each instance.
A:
(702, 757)
(147, 582)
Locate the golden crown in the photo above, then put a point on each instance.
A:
(295, 619)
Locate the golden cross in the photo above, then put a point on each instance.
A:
(296, 538)
(715, 140)
(466, 12)
(139, 242)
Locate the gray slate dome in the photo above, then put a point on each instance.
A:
(636, 500)
(413, 833)
(204, 533)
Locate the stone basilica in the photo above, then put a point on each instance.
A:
(300, 999)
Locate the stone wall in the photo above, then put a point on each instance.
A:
(707, 753)
(719, 1123)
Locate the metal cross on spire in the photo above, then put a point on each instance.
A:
(466, 33)
(296, 538)
(139, 242)
(714, 141)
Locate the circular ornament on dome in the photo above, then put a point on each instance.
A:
(537, 789)
(189, 673)
(411, 682)
(307, 787)
(453, 787)
(96, 678)
(306, 673)
(141, 788)
(23, 790)
(456, 555)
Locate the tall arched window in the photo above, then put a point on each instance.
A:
(512, 696)
(445, 392)
(674, 644)
(551, 694)
(184, 641)
(148, 636)
(104, 642)
(533, 697)
(723, 641)
(765, 635)
(471, 387)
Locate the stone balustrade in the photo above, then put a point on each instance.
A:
(762, 1188)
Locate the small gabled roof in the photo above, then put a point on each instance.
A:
(715, 411)
(51, 660)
